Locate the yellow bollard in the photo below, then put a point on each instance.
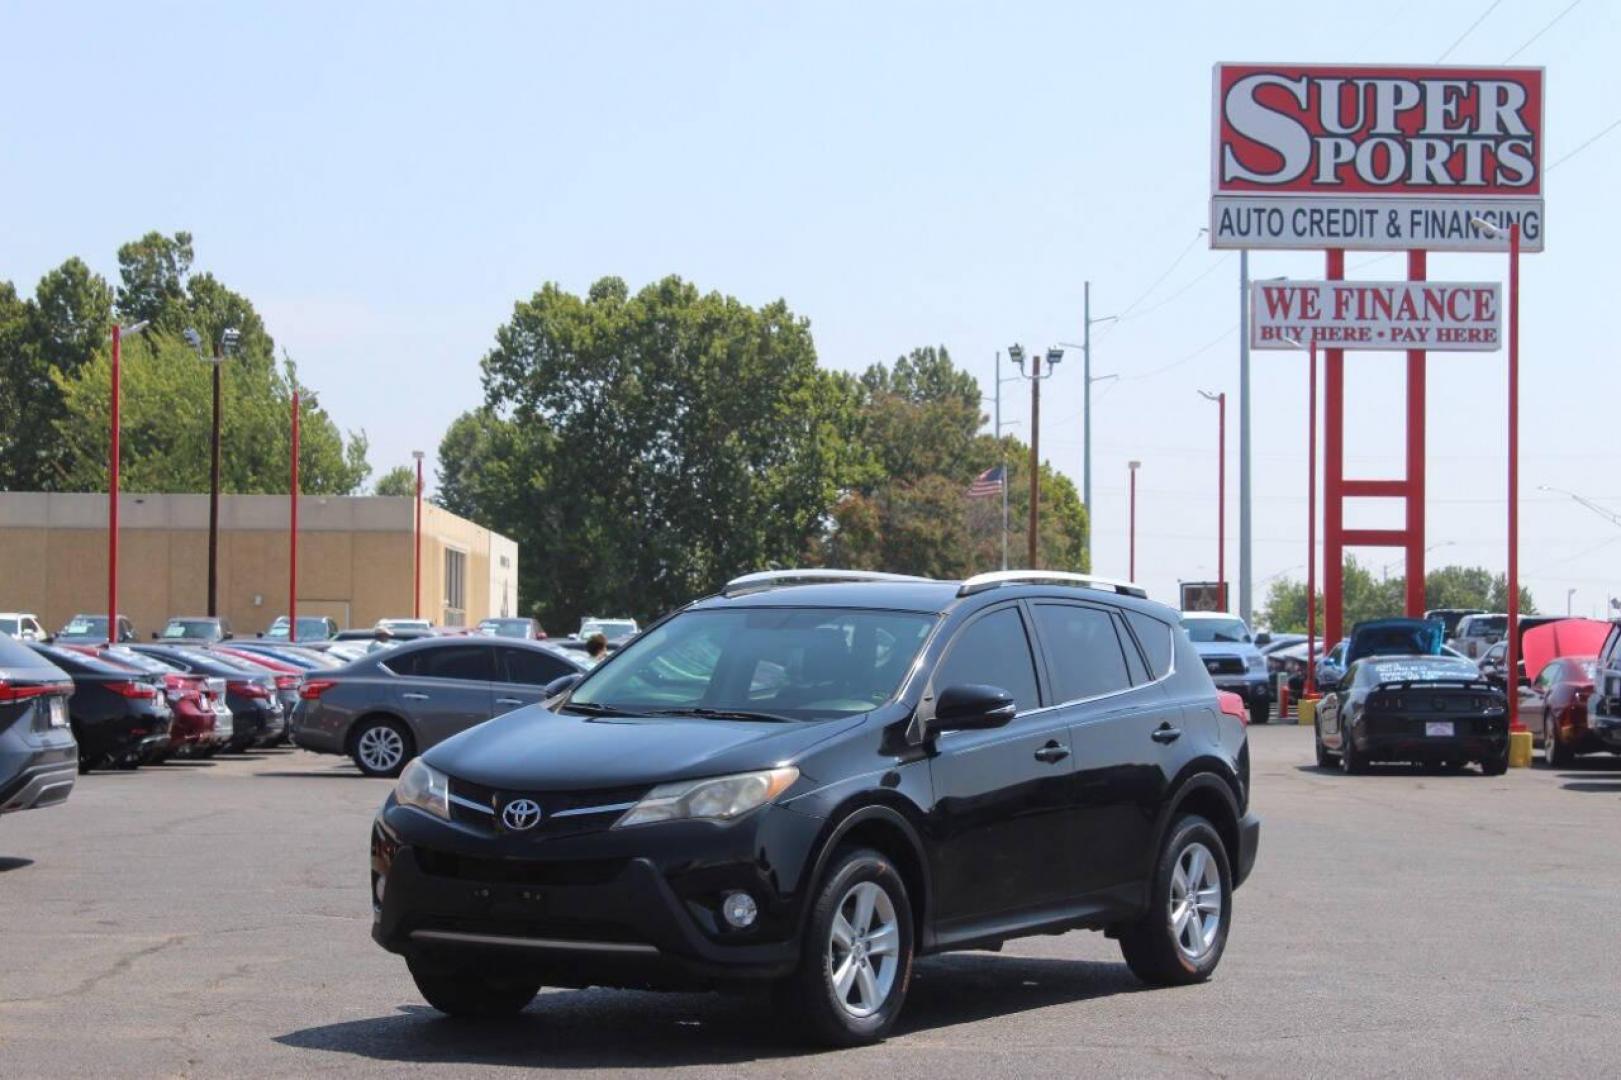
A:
(1519, 749)
(1307, 710)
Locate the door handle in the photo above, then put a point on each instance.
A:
(1051, 754)
(415, 697)
(508, 701)
(1165, 734)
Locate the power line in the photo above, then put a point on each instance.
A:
(1200, 351)
(1156, 283)
(1591, 140)
(1549, 26)
(1491, 7)
(1217, 265)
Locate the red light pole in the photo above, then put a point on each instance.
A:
(416, 575)
(1311, 523)
(1221, 494)
(112, 484)
(292, 535)
(1514, 722)
(1131, 468)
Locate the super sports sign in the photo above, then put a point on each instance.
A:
(1383, 158)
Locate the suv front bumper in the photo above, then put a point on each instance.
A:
(1252, 687)
(601, 908)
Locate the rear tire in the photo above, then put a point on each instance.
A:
(472, 992)
(1556, 754)
(1325, 760)
(1352, 763)
(381, 746)
(859, 933)
(1181, 937)
(1495, 766)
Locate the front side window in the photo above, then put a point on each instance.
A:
(464, 662)
(993, 651)
(1083, 651)
(532, 667)
(790, 663)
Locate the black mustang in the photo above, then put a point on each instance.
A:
(1432, 709)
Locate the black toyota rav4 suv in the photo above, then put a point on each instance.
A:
(815, 777)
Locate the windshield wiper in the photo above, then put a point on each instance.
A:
(722, 714)
(591, 708)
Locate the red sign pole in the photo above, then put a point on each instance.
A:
(1311, 523)
(112, 499)
(1513, 673)
(292, 536)
(1334, 477)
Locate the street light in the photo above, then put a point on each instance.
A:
(416, 574)
(112, 480)
(1131, 573)
(230, 338)
(1054, 355)
(1311, 514)
(1221, 494)
(1513, 658)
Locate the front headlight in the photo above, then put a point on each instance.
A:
(719, 799)
(424, 787)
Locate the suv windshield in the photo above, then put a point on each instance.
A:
(1482, 625)
(608, 628)
(786, 663)
(1226, 631)
(85, 626)
(191, 628)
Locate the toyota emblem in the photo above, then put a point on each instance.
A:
(520, 815)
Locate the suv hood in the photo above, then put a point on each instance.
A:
(1393, 637)
(534, 749)
(1243, 649)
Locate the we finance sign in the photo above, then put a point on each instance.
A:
(1381, 158)
(1437, 316)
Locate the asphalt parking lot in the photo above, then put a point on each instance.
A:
(211, 919)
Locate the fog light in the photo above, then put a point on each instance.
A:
(377, 886)
(739, 910)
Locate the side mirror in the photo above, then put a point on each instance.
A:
(228, 636)
(561, 685)
(154, 635)
(1263, 638)
(972, 708)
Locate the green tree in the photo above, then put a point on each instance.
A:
(647, 447)
(1367, 597)
(399, 481)
(153, 270)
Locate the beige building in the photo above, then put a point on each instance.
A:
(354, 559)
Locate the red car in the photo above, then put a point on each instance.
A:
(1554, 707)
(200, 725)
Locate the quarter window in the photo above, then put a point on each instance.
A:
(532, 667)
(992, 651)
(1155, 638)
(1083, 650)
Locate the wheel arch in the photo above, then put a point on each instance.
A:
(1208, 793)
(887, 829)
(359, 723)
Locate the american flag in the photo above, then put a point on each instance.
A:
(988, 483)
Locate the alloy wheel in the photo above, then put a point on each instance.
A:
(1195, 905)
(863, 949)
(380, 748)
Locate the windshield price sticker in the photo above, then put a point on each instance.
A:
(1438, 316)
(1381, 158)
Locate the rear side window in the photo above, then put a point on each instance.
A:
(532, 667)
(1608, 654)
(1083, 651)
(1155, 638)
(992, 651)
(465, 662)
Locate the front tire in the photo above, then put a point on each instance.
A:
(1261, 711)
(380, 747)
(1181, 938)
(1325, 760)
(472, 991)
(856, 964)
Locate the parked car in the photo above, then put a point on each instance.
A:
(615, 630)
(382, 635)
(283, 673)
(201, 722)
(1449, 618)
(1229, 654)
(93, 629)
(199, 628)
(810, 785)
(118, 713)
(405, 626)
(513, 628)
(1479, 632)
(39, 759)
(384, 709)
(301, 656)
(1330, 667)
(257, 715)
(1431, 709)
(1493, 662)
(1278, 642)
(310, 628)
(1604, 704)
(1554, 707)
(23, 626)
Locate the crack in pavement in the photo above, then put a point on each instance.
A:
(120, 966)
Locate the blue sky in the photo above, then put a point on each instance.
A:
(384, 180)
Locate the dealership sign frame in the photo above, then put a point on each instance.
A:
(1369, 157)
(1436, 316)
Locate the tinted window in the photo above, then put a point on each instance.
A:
(1421, 669)
(1134, 658)
(992, 651)
(532, 666)
(1083, 649)
(1208, 630)
(455, 662)
(1155, 638)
